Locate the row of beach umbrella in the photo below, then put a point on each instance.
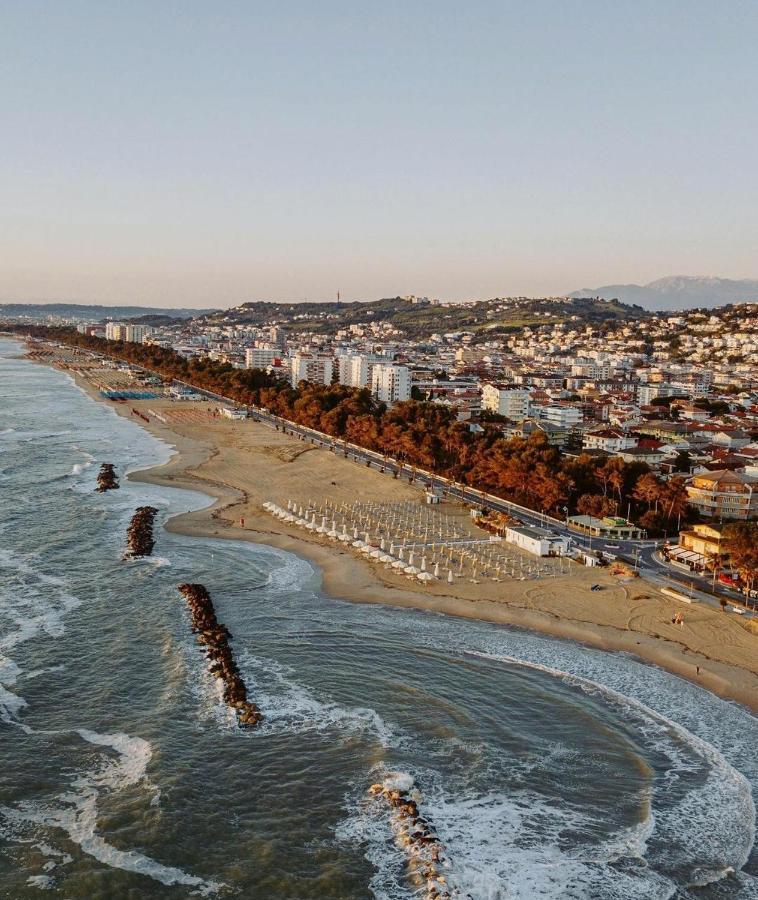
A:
(415, 541)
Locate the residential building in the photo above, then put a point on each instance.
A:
(724, 494)
(357, 371)
(646, 393)
(115, 331)
(511, 402)
(558, 414)
(306, 367)
(609, 440)
(391, 383)
(118, 331)
(555, 435)
(261, 357)
(137, 333)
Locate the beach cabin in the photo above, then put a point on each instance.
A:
(231, 413)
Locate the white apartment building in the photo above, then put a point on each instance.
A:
(513, 403)
(391, 383)
(562, 416)
(261, 357)
(357, 371)
(137, 333)
(305, 367)
(586, 368)
(646, 393)
(608, 439)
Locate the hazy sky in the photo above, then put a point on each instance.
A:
(187, 153)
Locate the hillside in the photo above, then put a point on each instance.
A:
(678, 292)
(420, 320)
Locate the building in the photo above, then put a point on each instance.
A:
(608, 528)
(646, 393)
(93, 330)
(115, 331)
(590, 369)
(357, 371)
(608, 440)
(724, 494)
(557, 414)
(118, 331)
(734, 439)
(555, 435)
(230, 412)
(699, 548)
(261, 357)
(136, 333)
(306, 367)
(391, 383)
(511, 402)
(539, 541)
(649, 455)
(703, 539)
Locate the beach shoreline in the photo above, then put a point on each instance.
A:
(715, 653)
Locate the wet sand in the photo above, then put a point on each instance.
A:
(242, 464)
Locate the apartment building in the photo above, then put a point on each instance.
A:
(261, 357)
(307, 367)
(557, 414)
(391, 383)
(117, 331)
(646, 393)
(511, 402)
(588, 368)
(357, 371)
(724, 494)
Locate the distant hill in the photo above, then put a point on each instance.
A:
(93, 313)
(485, 319)
(678, 292)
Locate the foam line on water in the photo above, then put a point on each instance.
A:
(290, 706)
(25, 604)
(75, 811)
(721, 810)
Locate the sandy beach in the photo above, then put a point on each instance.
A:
(242, 464)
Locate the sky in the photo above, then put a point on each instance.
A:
(198, 154)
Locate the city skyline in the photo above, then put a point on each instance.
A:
(199, 159)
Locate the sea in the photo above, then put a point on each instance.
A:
(548, 769)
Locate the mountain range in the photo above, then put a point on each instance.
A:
(678, 292)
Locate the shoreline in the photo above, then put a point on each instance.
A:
(346, 577)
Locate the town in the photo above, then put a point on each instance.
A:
(625, 426)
